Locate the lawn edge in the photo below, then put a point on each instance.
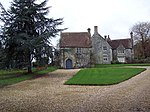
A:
(144, 69)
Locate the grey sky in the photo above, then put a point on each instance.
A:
(113, 17)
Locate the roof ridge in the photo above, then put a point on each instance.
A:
(121, 39)
(74, 32)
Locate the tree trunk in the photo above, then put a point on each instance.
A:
(144, 51)
(29, 69)
(29, 63)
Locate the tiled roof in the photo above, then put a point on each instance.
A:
(125, 42)
(75, 40)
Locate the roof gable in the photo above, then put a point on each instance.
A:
(120, 47)
(116, 43)
(99, 39)
(75, 40)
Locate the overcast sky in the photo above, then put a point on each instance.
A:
(113, 17)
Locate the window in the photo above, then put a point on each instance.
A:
(120, 51)
(104, 48)
(132, 51)
(78, 50)
(105, 58)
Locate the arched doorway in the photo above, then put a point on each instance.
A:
(68, 64)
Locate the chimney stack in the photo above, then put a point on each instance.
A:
(95, 29)
(132, 41)
(89, 31)
(108, 38)
(105, 36)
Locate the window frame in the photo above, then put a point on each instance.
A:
(78, 51)
(105, 58)
(104, 48)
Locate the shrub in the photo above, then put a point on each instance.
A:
(142, 60)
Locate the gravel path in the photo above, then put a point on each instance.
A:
(48, 94)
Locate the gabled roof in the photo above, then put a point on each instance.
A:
(125, 42)
(75, 40)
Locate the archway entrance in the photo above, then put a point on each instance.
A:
(68, 64)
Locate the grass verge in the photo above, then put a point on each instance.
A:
(103, 76)
(119, 65)
(15, 76)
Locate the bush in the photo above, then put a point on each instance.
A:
(115, 62)
(142, 60)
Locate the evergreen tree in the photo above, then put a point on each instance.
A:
(27, 30)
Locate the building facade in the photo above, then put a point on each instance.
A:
(80, 49)
(75, 50)
(102, 52)
(122, 50)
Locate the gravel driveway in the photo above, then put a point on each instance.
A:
(48, 94)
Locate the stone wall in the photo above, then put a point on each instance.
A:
(83, 58)
(80, 58)
(101, 50)
(129, 55)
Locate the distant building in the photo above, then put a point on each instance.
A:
(79, 49)
(122, 50)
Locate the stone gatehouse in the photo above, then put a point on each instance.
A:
(75, 49)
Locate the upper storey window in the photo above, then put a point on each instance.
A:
(120, 51)
(104, 48)
(78, 51)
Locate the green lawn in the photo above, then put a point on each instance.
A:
(15, 76)
(103, 76)
(119, 65)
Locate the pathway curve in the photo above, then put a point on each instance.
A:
(48, 94)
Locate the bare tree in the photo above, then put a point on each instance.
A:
(141, 33)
